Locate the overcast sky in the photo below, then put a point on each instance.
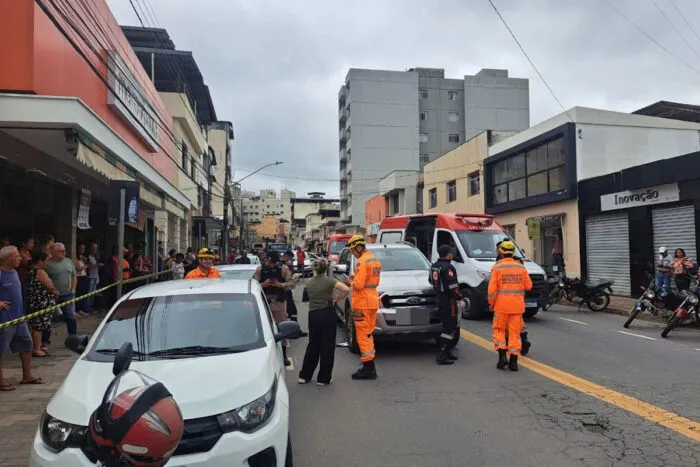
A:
(274, 67)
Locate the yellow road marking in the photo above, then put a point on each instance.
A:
(675, 422)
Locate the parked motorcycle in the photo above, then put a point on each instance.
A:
(596, 296)
(652, 300)
(685, 313)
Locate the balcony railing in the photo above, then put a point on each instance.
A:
(343, 155)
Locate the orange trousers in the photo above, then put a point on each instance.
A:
(365, 321)
(513, 323)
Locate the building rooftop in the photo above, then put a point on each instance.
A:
(174, 70)
(672, 110)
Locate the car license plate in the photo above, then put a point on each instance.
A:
(530, 304)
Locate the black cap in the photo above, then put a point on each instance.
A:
(444, 250)
(273, 256)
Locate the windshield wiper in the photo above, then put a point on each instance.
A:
(195, 350)
(114, 351)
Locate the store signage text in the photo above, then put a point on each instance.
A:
(643, 197)
(128, 102)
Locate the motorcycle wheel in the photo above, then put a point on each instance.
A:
(672, 323)
(636, 312)
(599, 302)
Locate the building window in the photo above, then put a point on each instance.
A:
(453, 138)
(422, 94)
(424, 115)
(534, 172)
(183, 147)
(451, 191)
(433, 197)
(474, 179)
(193, 165)
(510, 230)
(424, 159)
(452, 95)
(453, 116)
(423, 137)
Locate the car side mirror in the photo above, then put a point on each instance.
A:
(286, 329)
(77, 343)
(341, 268)
(122, 360)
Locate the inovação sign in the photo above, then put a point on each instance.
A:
(642, 197)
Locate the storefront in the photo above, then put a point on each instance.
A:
(627, 216)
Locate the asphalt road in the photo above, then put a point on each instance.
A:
(421, 414)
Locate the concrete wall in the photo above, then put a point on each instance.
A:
(383, 125)
(493, 101)
(457, 165)
(437, 107)
(570, 232)
(376, 209)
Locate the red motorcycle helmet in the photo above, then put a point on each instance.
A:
(138, 423)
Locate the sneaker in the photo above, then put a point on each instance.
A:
(318, 383)
(302, 381)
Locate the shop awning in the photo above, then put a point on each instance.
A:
(28, 111)
(97, 163)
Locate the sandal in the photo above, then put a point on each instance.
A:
(43, 354)
(7, 387)
(33, 381)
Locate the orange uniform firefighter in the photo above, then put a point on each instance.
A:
(507, 286)
(205, 269)
(365, 303)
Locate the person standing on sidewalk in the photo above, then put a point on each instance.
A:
(62, 272)
(93, 268)
(365, 303)
(322, 324)
(16, 338)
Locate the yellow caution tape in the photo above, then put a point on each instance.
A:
(53, 308)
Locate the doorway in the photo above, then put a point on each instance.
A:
(420, 231)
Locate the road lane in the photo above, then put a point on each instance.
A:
(662, 372)
(418, 413)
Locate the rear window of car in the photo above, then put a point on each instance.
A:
(236, 273)
(157, 324)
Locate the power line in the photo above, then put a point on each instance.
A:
(650, 37)
(673, 25)
(685, 20)
(133, 7)
(522, 49)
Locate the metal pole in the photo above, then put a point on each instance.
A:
(120, 241)
(240, 232)
(156, 257)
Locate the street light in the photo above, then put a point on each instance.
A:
(240, 230)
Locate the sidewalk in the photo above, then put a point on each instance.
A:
(21, 410)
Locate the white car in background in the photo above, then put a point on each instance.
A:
(214, 345)
(253, 259)
(237, 271)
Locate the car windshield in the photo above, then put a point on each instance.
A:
(236, 273)
(337, 247)
(482, 244)
(401, 259)
(182, 326)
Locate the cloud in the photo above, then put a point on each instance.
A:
(274, 67)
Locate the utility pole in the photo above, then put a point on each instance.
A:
(227, 204)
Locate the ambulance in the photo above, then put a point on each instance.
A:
(473, 238)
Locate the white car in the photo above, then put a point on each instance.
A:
(214, 345)
(253, 259)
(237, 271)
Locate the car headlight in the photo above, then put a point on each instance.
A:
(58, 435)
(249, 417)
(693, 299)
(484, 274)
(649, 294)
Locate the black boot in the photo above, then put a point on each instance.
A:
(443, 357)
(451, 355)
(502, 360)
(525, 343)
(513, 363)
(367, 371)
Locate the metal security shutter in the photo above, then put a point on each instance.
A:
(675, 228)
(607, 250)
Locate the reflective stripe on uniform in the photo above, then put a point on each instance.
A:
(368, 353)
(446, 336)
(500, 345)
(454, 286)
(371, 286)
(511, 291)
(370, 260)
(492, 297)
(509, 266)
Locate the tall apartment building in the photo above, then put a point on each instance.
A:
(267, 204)
(401, 120)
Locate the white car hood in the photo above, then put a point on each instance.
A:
(202, 386)
(485, 266)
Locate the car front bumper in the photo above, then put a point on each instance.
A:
(232, 449)
(407, 321)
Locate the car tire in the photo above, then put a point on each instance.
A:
(353, 346)
(471, 312)
(530, 312)
(289, 457)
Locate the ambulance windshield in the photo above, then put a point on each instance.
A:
(481, 244)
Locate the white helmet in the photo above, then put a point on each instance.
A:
(663, 249)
